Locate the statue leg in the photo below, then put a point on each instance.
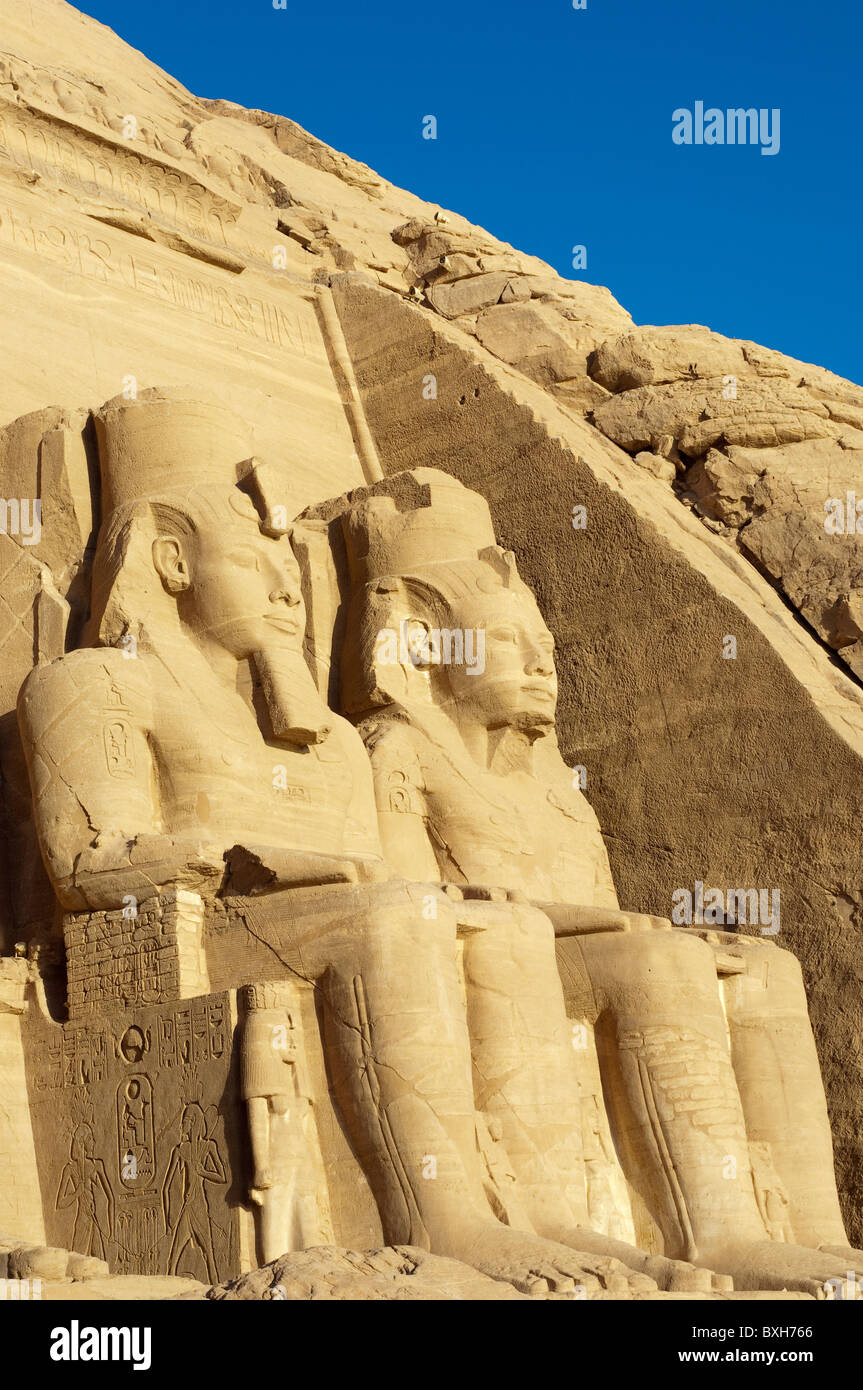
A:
(526, 1063)
(671, 1091)
(779, 1079)
(399, 1058)
(677, 1114)
(275, 1236)
(524, 1067)
(397, 1049)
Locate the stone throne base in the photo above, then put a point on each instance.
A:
(139, 1119)
(142, 1082)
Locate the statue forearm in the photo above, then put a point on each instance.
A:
(476, 901)
(254, 869)
(571, 919)
(108, 873)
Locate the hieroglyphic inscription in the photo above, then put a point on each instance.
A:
(194, 1034)
(75, 1056)
(45, 143)
(133, 1154)
(117, 736)
(118, 958)
(89, 254)
(136, 1143)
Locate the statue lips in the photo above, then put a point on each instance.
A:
(539, 691)
(283, 621)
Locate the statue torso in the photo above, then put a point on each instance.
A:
(530, 831)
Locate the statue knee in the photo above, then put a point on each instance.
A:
(399, 917)
(518, 925)
(653, 970)
(773, 975)
(531, 922)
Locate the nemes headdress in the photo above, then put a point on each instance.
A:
(417, 540)
(163, 447)
(412, 520)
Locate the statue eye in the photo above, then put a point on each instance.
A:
(244, 557)
(504, 634)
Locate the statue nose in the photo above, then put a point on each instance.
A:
(289, 596)
(539, 664)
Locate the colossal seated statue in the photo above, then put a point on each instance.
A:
(709, 1070)
(187, 753)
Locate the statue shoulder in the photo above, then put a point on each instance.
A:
(91, 682)
(393, 744)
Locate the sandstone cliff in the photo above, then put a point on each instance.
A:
(148, 236)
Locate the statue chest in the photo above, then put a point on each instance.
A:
(227, 781)
(518, 839)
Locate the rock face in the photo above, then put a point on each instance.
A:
(766, 447)
(683, 508)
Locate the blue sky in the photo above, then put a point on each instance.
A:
(554, 129)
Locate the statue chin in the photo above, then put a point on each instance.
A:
(532, 723)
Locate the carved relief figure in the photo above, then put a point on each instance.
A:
(288, 1182)
(770, 1194)
(194, 1164)
(84, 1184)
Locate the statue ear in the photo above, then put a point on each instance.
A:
(130, 591)
(391, 650)
(171, 564)
(396, 654)
(417, 644)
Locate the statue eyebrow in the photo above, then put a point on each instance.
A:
(243, 548)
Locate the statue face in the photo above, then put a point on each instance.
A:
(518, 686)
(240, 588)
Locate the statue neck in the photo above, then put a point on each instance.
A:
(500, 751)
(503, 750)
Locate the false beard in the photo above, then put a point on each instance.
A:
(297, 713)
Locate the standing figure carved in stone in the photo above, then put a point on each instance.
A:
(84, 1182)
(194, 1164)
(288, 1184)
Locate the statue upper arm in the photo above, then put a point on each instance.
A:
(85, 722)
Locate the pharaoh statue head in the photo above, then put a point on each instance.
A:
(194, 552)
(438, 614)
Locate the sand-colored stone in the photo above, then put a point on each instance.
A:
(640, 603)
(223, 323)
(458, 718)
(402, 1273)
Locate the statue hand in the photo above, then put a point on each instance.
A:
(572, 919)
(477, 892)
(258, 868)
(643, 921)
(372, 870)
